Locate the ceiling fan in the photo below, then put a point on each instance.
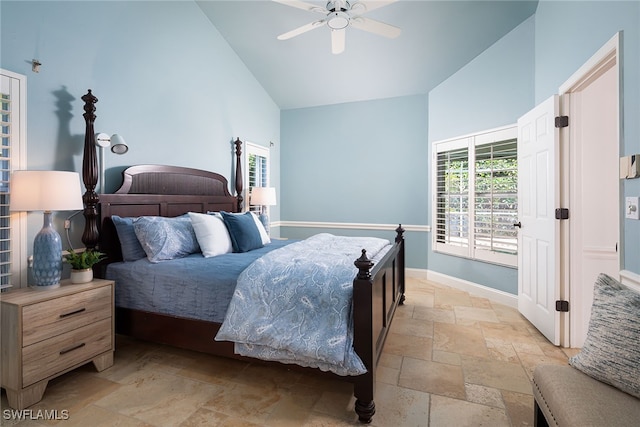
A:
(340, 14)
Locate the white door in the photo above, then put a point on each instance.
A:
(594, 189)
(538, 197)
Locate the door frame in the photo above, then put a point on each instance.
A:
(606, 57)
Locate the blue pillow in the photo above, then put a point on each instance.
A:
(165, 238)
(129, 244)
(243, 231)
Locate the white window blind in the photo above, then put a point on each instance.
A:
(12, 157)
(475, 196)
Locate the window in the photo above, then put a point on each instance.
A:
(13, 252)
(476, 196)
(256, 170)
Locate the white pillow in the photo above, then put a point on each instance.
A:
(211, 233)
(263, 233)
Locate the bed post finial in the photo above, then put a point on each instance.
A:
(90, 174)
(238, 182)
(364, 265)
(399, 233)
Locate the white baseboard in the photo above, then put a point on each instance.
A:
(475, 289)
(627, 277)
(630, 279)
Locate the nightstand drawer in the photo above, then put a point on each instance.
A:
(59, 315)
(61, 352)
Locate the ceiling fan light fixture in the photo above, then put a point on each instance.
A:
(338, 20)
(340, 14)
(337, 41)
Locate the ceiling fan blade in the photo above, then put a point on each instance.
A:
(337, 41)
(304, 6)
(376, 27)
(362, 7)
(296, 32)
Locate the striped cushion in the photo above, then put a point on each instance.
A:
(611, 352)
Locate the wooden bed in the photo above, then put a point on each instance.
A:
(172, 191)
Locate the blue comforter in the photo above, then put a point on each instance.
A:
(294, 304)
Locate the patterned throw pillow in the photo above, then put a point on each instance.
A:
(611, 352)
(166, 238)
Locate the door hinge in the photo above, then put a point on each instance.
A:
(562, 305)
(562, 121)
(562, 213)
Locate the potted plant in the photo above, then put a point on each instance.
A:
(82, 264)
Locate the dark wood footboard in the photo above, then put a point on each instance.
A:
(377, 292)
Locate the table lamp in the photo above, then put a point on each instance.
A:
(263, 196)
(46, 191)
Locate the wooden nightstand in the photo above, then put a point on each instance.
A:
(46, 333)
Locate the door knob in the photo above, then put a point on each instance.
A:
(518, 224)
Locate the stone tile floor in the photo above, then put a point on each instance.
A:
(451, 359)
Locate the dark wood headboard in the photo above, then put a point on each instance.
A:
(156, 190)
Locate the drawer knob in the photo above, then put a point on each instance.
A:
(75, 347)
(71, 313)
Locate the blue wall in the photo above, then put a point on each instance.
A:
(165, 78)
(169, 83)
(362, 162)
(491, 91)
(567, 35)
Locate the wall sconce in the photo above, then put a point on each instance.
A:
(118, 146)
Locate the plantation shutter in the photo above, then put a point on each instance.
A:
(257, 175)
(452, 196)
(475, 202)
(5, 171)
(13, 254)
(496, 197)
(257, 171)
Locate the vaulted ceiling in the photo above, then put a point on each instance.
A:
(437, 39)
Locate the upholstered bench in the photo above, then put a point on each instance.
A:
(601, 387)
(565, 396)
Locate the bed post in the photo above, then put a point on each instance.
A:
(400, 241)
(365, 346)
(238, 182)
(90, 174)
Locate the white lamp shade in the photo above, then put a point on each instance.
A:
(263, 196)
(45, 191)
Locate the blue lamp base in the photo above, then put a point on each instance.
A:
(47, 256)
(264, 219)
